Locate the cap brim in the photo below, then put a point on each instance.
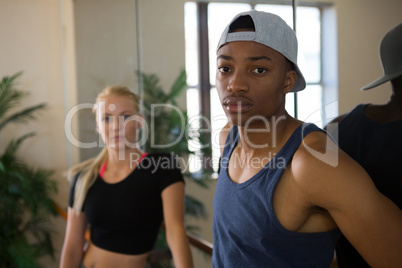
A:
(381, 80)
(300, 82)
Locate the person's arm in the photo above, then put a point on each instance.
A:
(173, 211)
(369, 220)
(74, 241)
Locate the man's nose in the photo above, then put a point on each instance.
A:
(238, 82)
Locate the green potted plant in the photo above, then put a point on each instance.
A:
(26, 205)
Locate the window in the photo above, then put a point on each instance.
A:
(204, 23)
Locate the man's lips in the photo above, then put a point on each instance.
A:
(237, 104)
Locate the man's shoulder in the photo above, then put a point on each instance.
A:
(319, 165)
(319, 140)
(316, 155)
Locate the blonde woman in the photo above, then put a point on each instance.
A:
(123, 195)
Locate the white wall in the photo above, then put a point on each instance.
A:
(361, 26)
(36, 36)
(69, 50)
(106, 54)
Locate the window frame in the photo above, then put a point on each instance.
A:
(204, 84)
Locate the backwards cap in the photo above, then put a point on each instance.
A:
(271, 31)
(391, 57)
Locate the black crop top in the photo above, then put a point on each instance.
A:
(125, 217)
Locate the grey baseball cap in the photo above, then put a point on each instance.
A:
(271, 31)
(391, 57)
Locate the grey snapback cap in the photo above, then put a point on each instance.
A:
(271, 31)
(391, 57)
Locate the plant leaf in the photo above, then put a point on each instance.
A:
(179, 85)
(25, 193)
(23, 116)
(9, 95)
(13, 145)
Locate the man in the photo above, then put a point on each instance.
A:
(372, 135)
(284, 188)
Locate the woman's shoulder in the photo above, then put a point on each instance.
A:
(75, 171)
(73, 176)
(162, 165)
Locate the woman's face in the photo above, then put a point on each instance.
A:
(118, 121)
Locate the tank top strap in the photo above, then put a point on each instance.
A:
(290, 147)
(286, 152)
(231, 141)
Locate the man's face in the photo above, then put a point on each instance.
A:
(252, 81)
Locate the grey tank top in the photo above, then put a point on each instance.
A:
(246, 232)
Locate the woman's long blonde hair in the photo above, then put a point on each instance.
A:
(89, 170)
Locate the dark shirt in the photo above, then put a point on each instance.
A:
(246, 230)
(125, 217)
(377, 147)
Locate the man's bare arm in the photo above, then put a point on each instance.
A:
(369, 220)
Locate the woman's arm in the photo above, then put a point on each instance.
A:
(73, 247)
(173, 211)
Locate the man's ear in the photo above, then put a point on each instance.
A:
(290, 81)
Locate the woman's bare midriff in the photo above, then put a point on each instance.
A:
(96, 257)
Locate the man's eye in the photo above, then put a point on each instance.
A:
(106, 119)
(259, 70)
(224, 69)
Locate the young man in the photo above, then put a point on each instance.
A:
(370, 131)
(284, 187)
